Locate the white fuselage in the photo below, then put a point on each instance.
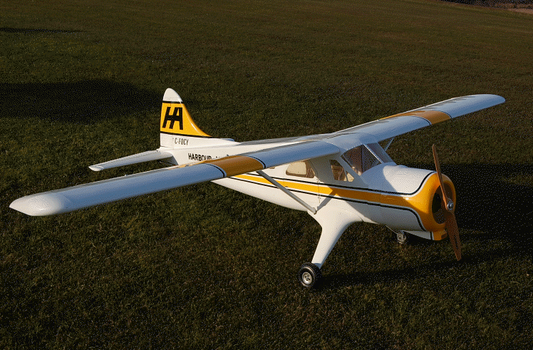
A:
(388, 194)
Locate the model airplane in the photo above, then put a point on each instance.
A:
(338, 178)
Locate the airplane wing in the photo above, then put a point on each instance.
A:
(105, 191)
(303, 148)
(398, 124)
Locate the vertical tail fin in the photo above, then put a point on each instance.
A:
(178, 130)
(175, 119)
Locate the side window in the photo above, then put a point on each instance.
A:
(339, 173)
(301, 169)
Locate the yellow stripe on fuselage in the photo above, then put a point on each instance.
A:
(419, 202)
(290, 185)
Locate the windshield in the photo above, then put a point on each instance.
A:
(365, 157)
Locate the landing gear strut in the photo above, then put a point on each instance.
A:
(309, 275)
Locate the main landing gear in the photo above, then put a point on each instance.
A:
(309, 275)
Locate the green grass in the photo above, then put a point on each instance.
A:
(204, 267)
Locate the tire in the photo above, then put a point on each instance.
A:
(309, 275)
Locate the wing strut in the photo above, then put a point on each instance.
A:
(388, 144)
(287, 192)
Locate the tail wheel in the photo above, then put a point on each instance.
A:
(309, 275)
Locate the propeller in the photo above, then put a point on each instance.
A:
(448, 209)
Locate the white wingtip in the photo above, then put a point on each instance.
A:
(96, 168)
(41, 204)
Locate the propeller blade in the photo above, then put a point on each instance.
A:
(453, 233)
(439, 174)
(448, 207)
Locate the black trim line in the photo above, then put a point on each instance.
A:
(419, 117)
(219, 168)
(186, 135)
(259, 160)
(412, 211)
(359, 188)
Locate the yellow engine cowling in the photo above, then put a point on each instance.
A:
(411, 200)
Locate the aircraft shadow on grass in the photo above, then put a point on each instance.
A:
(83, 102)
(491, 202)
(36, 31)
(488, 202)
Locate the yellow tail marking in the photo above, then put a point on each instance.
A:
(175, 119)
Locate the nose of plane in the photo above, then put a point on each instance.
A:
(430, 205)
(410, 199)
(436, 206)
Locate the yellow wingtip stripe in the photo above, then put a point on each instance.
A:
(235, 165)
(434, 117)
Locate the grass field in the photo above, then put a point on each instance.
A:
(203, 267)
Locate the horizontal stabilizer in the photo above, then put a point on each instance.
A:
(133, 159)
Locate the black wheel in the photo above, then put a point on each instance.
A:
(309, 275)
(402, 237)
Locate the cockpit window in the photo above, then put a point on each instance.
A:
(339, 173)
(365, 157)
(301, 169)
